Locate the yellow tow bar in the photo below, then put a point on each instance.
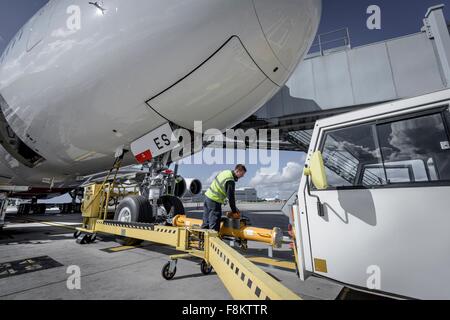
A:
(243, 279)
(237, 228)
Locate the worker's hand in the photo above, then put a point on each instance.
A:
(234, 215)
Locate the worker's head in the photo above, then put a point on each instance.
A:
(240, 171)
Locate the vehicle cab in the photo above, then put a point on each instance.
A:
(373, 204)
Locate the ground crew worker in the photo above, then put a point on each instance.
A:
(223, 187)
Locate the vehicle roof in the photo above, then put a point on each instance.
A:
(398, 105)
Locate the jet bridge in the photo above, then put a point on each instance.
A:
(337, 78)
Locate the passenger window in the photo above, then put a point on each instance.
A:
(415, 150)
(352, 158)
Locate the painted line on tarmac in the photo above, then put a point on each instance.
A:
(123, 248)
(49, 223)
(119, 249)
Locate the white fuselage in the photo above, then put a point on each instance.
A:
(76, 94)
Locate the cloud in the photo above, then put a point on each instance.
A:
(279, 184)
(291, 173)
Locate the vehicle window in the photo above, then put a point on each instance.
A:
(420, 146)
(447, 117)
(402, 171)
(348, 152)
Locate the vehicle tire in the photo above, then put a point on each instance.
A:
(133, 209)
(205, 268)
(165, 272)
(171, 202)
(26, 209)
(91, 238)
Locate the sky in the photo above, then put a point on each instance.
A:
(398, 18)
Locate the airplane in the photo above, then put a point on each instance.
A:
(82, 81)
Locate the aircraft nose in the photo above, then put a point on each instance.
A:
(289, 27)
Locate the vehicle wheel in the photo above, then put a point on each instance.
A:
(90, 238)
(205, 268)
(77, 234)
(93, 238)
(26, 208)
(166, 272)
(172, 203)
(133, 209)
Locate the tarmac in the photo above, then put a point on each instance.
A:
(39, 258)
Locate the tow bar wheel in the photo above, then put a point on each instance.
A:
(169, 270)
(205, 268)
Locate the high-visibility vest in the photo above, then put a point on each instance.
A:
(216, 191)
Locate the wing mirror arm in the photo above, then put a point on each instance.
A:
(320, 209)
(316, 174)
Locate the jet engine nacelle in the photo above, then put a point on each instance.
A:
(194, 187)
(187, 187)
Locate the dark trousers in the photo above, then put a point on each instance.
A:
(212, 215)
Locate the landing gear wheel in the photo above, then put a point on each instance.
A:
(205, 268)
(63, 208)
(24, 209)
(173, 205)
(133, 209)
(42, 208)
(165, 272)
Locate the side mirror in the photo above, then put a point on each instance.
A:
(316, 171)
